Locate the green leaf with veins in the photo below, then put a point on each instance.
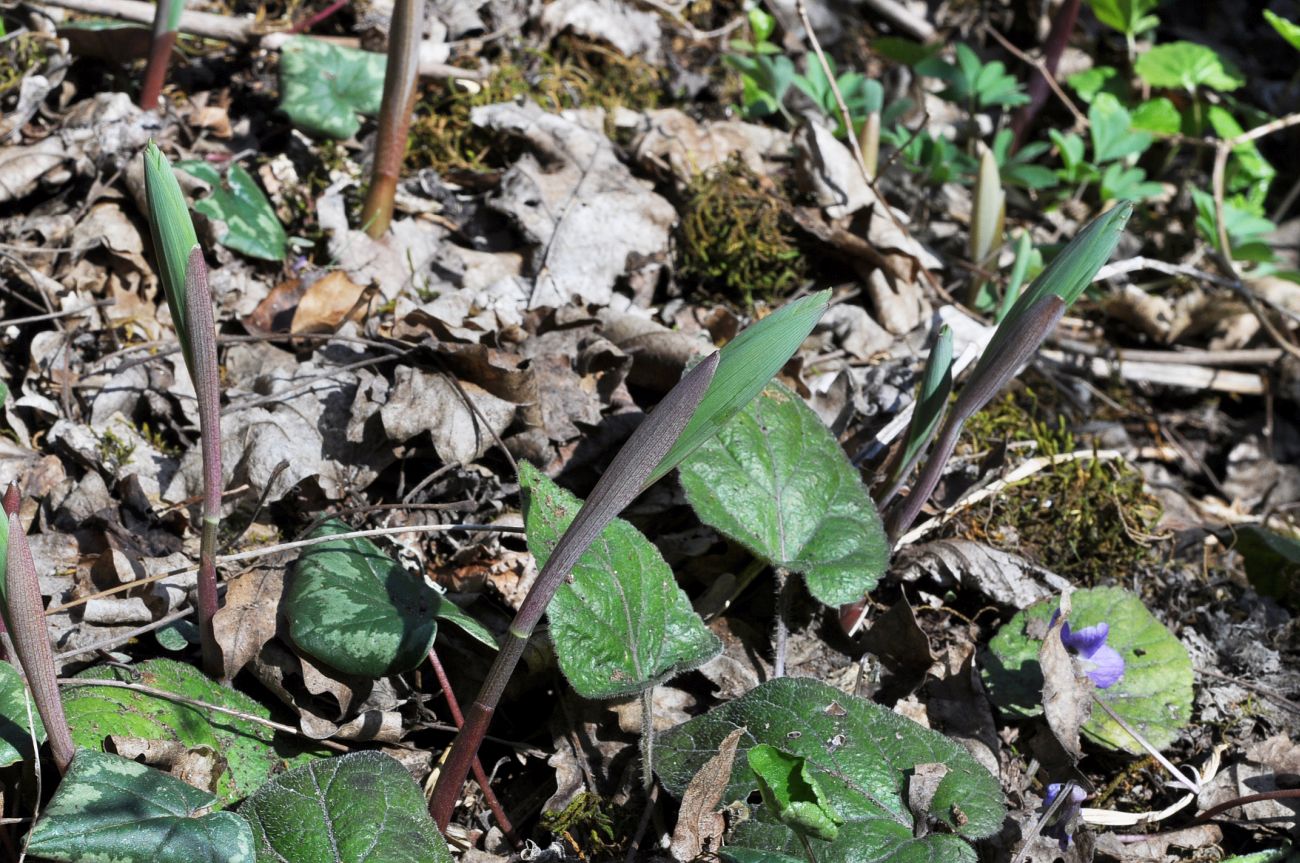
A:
(622, 624)
(112, 808)
(1154, 695)
(1129, 17)
(238, 203)
(860, 755)
(324, 87)
(776, 481)
(96, 712)
(356, 609)
(1187, 65)
(1286, 29)
(1111, 128)
(360, 807)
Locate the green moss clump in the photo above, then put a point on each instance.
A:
(736, 235)
(572, 74)
(1083, 518)
(19, 56)
(585, 826)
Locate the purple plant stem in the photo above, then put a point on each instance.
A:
(26, 613)
(1057, 38)
(620, 484)
(400, 78)
(307, 23)
(1040, 319)
(480, 775)
(161, 43)
(207, 388)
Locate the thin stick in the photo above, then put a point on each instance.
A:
(480, 775)
(202, 705)
(1037, 829)
(1190, 784)
(66, 313)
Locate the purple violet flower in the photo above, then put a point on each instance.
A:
(1061, 825)
(1101, 662)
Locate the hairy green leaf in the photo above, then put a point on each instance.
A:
(324, 87)
(745, 365)
(112, 808)
(1187, 65)
(360, 808)
(15, 706)
(356, 609)
(861, 755)
(96, 712)
(776, 481)
(1154, 695)
(622, 624)
(237, 202)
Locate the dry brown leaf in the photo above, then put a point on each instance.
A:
(328, 302)
(699, 822)
(922, 785)
(1067, 694)
(247, 619)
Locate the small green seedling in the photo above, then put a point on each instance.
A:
(931, 400)
(184, 276)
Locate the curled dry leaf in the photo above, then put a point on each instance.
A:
(1067, 694)
(700, 823)
(247, 619)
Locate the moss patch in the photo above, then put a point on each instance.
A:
(586, 828)
(1083, 518)
(736, 235)
(572, 74)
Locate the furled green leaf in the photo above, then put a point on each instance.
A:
(15, 706)
(173, 237)
(791, 791)
(1112, 131)
(1067, 276)
(360, 808)
(1288, 30)
(96, 712)
(1154, 695)
(356, 609)
(1129, 17)
(861, 755)
(324, 87)
(622, 624)
(745, 365)
(931, 399)
(1187, 65)
(110, 808)
(776, 481)
(237, 202)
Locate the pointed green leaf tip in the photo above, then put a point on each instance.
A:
(173, 236)
(745, 365)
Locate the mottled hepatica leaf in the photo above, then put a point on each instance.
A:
(15, 730)
(112, 808)
(861, 755)
(356, 609)
(324, 87)
(360, 808)
(775, 480)
(250, 748)
(237, 202)
(622, 624)
(1154, 695)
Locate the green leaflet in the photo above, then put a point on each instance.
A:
(622, 624)
(112, 808)
(236, 201)
(95, 712)
(1154, 696)
(173, 237)
(776, 481)
(1186, 66)
(324, 87)
(860, 754)
(792, 792)
(360, 808)
(745, 365)
(356, 609)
